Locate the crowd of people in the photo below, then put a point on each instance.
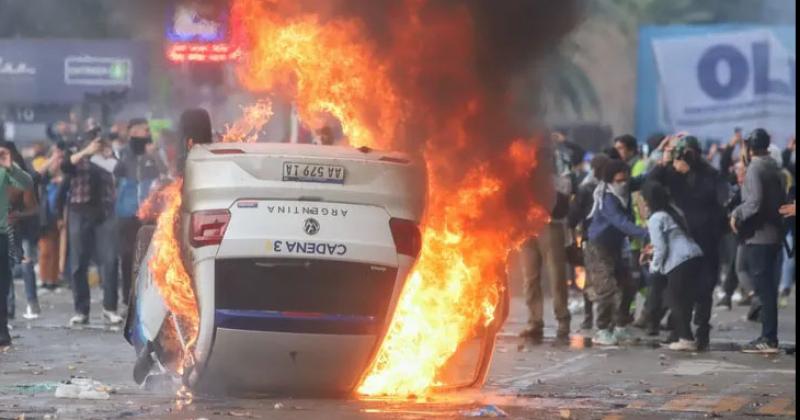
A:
(69, 204)
(667, 220)
(672, 221)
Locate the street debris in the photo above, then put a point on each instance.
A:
(83, 389)
(39, 388)
(490, 410)
(243, 414)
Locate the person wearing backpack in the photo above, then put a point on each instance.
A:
(135, 174)
(758, 222)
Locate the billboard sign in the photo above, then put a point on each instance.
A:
(98, 71)
(64, 71)
(710, 82)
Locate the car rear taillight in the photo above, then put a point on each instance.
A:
(406, 235)
(208, 227)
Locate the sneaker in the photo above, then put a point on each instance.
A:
(622, 334)
(5, 339)
(111, 317)
(32, 311)
(746, 300)
(78, 319)
(761, 346)
(783, 302)
(725, 302)
(737, 297)
(671, 338)
(604, 338)
(683, 345)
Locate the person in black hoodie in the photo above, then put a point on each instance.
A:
(700, 192)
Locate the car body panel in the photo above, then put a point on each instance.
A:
(249, 345)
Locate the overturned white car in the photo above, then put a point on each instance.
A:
(297, 254)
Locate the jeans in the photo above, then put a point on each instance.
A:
(788, 269)
(608, 285)
(761, 265)
(546, 253)
(654, 304)
(31, 250)
(90, 233)
(706, 282)
(682, 293)
(5, 282)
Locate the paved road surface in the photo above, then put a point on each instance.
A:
(542, 382)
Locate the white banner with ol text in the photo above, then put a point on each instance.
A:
(714, 83)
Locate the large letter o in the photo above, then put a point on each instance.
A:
(707, 72)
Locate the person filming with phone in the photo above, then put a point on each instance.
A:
(90, 225)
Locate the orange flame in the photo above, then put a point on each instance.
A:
(456, 286)
(473, 218)
(168, 271)
(326, 68)
(247, 128)
(580, 278)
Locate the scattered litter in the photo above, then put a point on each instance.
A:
(485, 411)
(565, 414)
(241, 414)
(40, 388)
(662, 356)
(616, 371)
(278, 406)
(83, 389)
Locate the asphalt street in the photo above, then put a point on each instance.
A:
(546, 381)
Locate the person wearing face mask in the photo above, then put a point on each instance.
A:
(700, 192)
(579, 209)
(118, 135)
(135, 174)
(611, 221)
(90, 222)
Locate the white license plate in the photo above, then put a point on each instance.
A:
(313, 172)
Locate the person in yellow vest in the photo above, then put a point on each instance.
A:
(628, 148)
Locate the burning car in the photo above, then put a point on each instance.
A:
(297, 255)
